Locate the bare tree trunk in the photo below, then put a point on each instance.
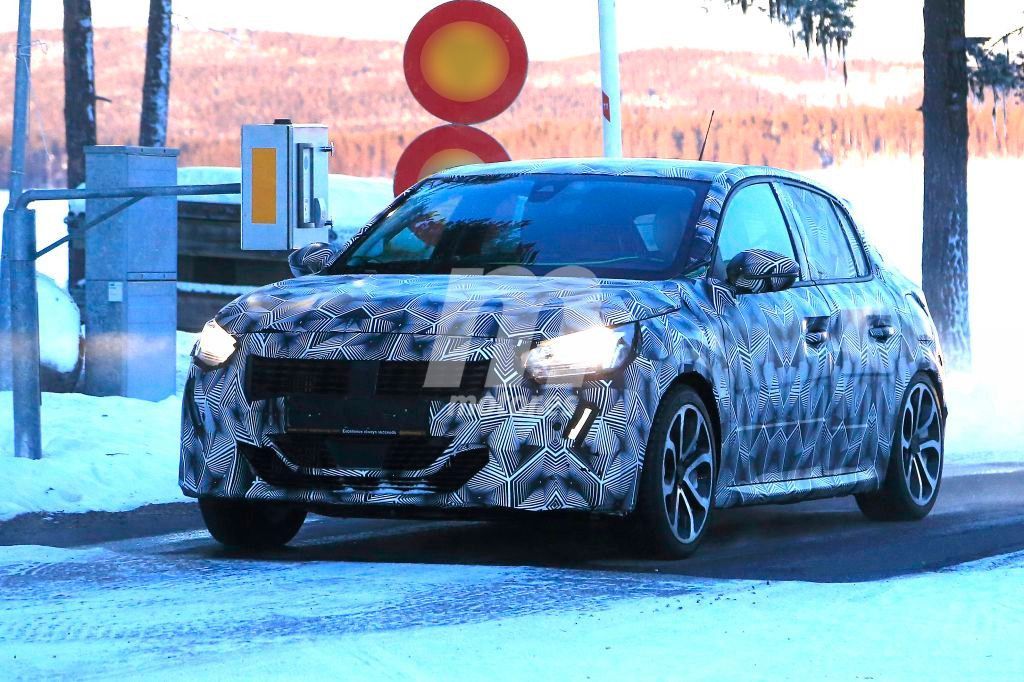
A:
(944, 248)
(79, 87)
(79, 116)
(157, 84)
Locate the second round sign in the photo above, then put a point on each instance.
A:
(445, 147)
(465, 61)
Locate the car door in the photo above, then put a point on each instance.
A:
(862, 331)
(776, 348)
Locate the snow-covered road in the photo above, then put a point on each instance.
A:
(173, 610)
(356, 599)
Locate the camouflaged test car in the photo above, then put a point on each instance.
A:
(642, 338)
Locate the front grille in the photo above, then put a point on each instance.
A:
(277, 377)
(274, 377)
(453, 475)
(446, 378)
(399, 454)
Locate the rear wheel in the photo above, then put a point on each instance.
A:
(914, 473)
(245, 524)
(678, 480)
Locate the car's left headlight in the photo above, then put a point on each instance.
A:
(589, 353)
(215, 346)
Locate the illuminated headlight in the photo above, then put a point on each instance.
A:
(215, 346)
(592, 352)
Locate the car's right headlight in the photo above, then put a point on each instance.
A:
(591, 352)
(215, 346)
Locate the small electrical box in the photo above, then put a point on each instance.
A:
(285, 203)
(131, 272)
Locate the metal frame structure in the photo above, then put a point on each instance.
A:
(20, 231)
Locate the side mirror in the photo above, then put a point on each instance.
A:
(759, 271)
(311, 259)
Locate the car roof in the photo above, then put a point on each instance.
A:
(718, 173)
(695, 170)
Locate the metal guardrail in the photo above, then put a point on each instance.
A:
(20, 236)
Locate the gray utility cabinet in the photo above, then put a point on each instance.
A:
(131, 274)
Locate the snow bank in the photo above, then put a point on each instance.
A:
(59, 326)
(59, 320)
(99, 454)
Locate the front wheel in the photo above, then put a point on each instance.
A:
(915, 465)
(678, 480)
(246, 524)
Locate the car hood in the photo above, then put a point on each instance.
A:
(455, 305)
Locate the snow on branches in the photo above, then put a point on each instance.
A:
(825, 23)
(993, 69)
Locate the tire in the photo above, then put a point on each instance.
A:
(242, 524)
(914, 473)
(678, 480)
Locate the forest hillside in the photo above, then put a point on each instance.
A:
(787, 111)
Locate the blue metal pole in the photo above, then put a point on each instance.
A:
(24, 332)
(22, 64)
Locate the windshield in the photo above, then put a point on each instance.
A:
(613, 226)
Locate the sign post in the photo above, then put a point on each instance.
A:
(611, 109)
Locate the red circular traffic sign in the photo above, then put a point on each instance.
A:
(445, 147)
(465, 61)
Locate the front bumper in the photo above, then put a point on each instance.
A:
(510, 445)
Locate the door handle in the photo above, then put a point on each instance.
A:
(882, 332)
(816, 338)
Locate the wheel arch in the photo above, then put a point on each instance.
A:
(935, 376)
(706, 390)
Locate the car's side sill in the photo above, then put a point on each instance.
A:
(798, 489)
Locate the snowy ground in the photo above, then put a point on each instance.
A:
(94, 461)
(168, 608)
(99, 454)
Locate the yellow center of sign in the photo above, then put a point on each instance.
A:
(448, 158)
(465, 61)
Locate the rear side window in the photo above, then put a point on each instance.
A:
(851, 236)
(753, 220)
(828, 251)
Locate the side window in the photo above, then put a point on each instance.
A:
(753, 220)
(828, 251)
(851, 236)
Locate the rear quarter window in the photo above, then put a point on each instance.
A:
(829, 252)
(859, 257)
